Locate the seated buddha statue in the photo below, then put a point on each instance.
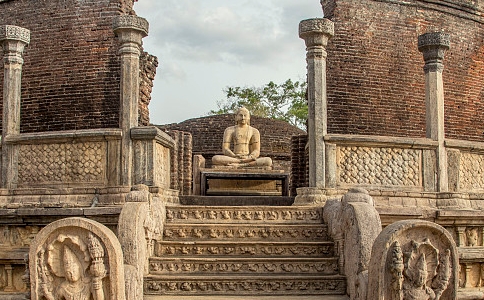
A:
(246, 141)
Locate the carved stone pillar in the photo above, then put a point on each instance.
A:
(10, 287)
(316, 33)
(460, 236)
(130, 31)
(433, 46)
(13, 40)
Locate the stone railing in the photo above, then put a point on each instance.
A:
(152, 156)
(403, 164)
(465, 166)
(376, 162)
(85, 166)
(67, 158)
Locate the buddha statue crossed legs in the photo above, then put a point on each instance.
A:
(246, 140)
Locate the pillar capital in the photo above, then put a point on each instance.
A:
(316, 32)
(130, 31)
(13, 40)
(433, 46)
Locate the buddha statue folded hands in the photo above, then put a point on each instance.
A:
(246, 141)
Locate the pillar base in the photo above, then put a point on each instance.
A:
(310, 196)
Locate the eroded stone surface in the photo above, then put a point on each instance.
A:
(413, 259)
(140, 226)
(77, 259)
(354, 224)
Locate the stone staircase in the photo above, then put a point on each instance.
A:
(244, 251)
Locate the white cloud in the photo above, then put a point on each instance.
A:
(204, 46)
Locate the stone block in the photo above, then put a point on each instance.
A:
(73, 256)
(413, 259)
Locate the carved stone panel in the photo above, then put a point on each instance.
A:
(471, 172)
(379, 166)
(413, 260)
(162, 163)
(76, 259)
(62, 163)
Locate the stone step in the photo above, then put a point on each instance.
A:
(256, 232)
(246, 297)
(251, 214)
(240, 266)
(230, 249)
(236, 200)
(291, 284)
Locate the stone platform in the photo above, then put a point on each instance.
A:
(243, 182)
(236, 201)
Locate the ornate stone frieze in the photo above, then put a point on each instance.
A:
(17, 236)
(301, 233)
(55, 163)
(247, 286)
(238, 215)
(315, 266)
(165, 249)
(379, 166)
(471, 172)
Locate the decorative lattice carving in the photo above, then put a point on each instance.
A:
(379, 166)
(471, 172)
(76, 162)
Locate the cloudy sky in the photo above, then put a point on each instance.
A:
(205, 46)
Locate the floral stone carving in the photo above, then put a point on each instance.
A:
(76, 259)
(413, 260)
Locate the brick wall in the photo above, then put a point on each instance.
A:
(375, 77)
(71, 73)
(181, 162)
(299, 163)
(148, 64)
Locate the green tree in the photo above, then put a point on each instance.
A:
(286, 101)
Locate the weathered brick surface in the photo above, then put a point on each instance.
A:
(181, 162)
(71, 75)
(148, 64)
(299, 163)
(375, 76)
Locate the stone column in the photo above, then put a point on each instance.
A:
(316, 33)
(130, 31)
(433, 46)
(13, 40)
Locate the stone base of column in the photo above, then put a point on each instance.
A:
(309, 196)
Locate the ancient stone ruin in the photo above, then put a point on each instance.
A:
(381, 199)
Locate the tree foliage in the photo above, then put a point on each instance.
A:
(285, 101)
